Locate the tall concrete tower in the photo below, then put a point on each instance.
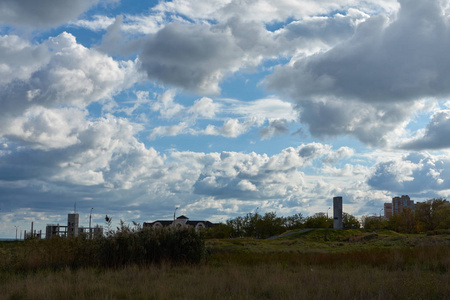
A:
(72, 224)
(337, 213)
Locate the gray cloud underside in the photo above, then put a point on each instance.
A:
(368, 123)
(415, 173)
(275, 128)
(435, 136)
(386, 60)
(198, 56)
(190, 56)
(360, 86)
(42, 13)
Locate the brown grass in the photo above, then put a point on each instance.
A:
(250, 269)
(273, 281)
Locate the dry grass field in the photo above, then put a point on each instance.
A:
(321, 264)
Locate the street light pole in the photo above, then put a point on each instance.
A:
(380, 212)
(16, 230)
(175, 212)
(256, 218)
(90, 229)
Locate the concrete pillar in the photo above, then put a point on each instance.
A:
(72, 224)
(337, 213)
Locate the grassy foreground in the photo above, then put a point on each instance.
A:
(314, 265)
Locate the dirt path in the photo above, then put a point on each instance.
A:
(289, 233)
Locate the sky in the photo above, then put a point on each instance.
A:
(135, 109)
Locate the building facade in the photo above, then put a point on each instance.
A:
(180, 222)
(400, 203)
(397, 206)
(388, 210)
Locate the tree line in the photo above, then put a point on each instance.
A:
(430, 215)
(269, 224)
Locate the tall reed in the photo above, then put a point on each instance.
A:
(124, 247)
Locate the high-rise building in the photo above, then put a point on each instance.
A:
(397, 206)
(400, 203)
(388, 210)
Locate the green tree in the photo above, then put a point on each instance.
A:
(269, 225)
(318, 220)
(406, 221)
(294, 222)
(220, 231)
(249, 223)
(350, 222)
(393, 223)
(431, 214)
(263, 226)
(443, 216)
(374, 222)
(237, 226)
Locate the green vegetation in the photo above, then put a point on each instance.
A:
(431, 216)
(328, 241)
(317, 264)
(269, 224)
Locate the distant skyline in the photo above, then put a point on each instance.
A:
(133, 108)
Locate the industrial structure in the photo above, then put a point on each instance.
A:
(32, 234)
(180, 222)
(337, 213)
(72, 224)
(72, 229)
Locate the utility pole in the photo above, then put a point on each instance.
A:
(256, 227)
